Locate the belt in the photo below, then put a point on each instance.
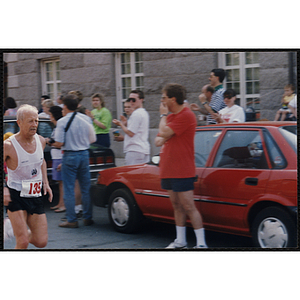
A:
(74, 150)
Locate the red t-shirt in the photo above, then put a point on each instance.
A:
(177, 155)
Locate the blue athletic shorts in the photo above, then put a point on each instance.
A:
(178, 184)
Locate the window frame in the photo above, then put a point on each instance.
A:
(243, 96)
(55, 81)
(120, 76)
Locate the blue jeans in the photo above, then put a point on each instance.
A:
(75, 165)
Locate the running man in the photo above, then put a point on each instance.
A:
(27, 181)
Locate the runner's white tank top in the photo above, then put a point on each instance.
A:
(29, 164)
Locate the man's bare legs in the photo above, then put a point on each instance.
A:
(184, 205)
(39, 230)
(38, 234)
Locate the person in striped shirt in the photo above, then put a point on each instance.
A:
(217, 100)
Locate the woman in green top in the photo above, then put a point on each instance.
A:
(101, 118)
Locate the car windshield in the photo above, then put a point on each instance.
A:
(45, 127)
(290, 134)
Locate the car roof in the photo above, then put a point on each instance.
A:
(14, 118)
(251, 124)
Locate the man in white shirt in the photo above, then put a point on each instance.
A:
(136, 144)
(232, 112)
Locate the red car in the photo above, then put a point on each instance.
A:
(246, 184)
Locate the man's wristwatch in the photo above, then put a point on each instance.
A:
(163, 115)
(204, 103)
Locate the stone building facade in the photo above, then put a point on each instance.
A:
(259, 77)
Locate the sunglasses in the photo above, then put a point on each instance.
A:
(131, 99)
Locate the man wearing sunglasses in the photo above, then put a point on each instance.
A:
(136, 144)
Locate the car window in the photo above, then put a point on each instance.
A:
(290, 134)
(45, 129)
(204, 142)
(277, 159)
(10, 127)
(241, 149)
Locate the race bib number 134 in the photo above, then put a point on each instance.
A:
(31, 188)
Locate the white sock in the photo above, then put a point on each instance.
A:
(78, 208)
(181, 235)
(200, 236)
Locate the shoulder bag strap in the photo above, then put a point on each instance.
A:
(70, 121)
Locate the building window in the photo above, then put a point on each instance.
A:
(129, 75)
(243, 76)
(51, 83)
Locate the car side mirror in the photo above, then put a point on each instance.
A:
(155, 159)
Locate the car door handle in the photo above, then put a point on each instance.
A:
(251, 181)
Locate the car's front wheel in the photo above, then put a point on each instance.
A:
(124, 214)
(273, 228)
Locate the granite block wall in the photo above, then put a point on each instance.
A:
(92, 72)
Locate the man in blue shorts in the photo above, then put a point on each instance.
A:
(177, 164)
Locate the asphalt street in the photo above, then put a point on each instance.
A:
(101, 236)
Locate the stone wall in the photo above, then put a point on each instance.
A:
(92, 72)
(274, 75)
(87, 72)
(190, 69)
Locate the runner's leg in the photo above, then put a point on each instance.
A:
(18, 222)
(39, 230)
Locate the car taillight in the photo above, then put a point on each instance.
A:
(100, 160)
(109, 159)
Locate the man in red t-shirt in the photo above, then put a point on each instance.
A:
(177, 163)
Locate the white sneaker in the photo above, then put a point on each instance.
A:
(8, 230)
(176, 245)
(200, 247)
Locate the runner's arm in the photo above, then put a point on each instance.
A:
(6, 194)
(46, 185)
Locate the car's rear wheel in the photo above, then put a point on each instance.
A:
(273, 228)
(124, 214)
